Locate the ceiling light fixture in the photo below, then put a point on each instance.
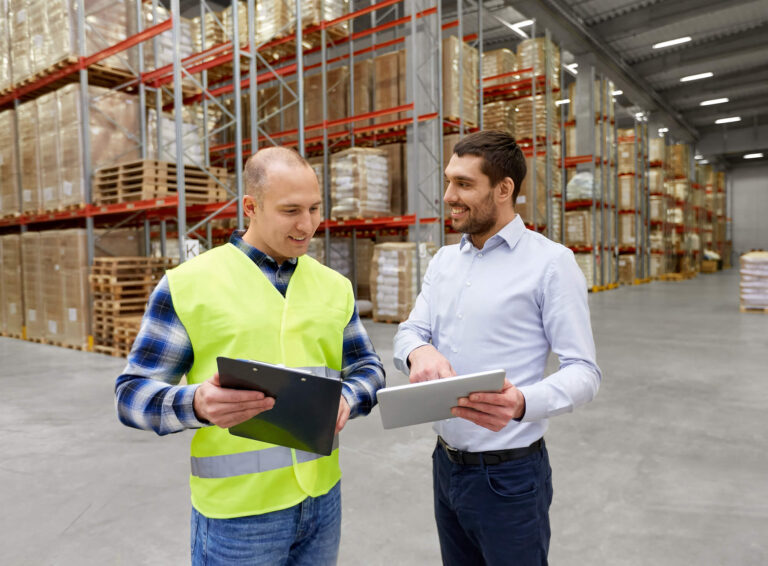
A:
(728, 120)
(698, 156)
(572, 68)
(671, 42)
(753, 156)
(663, 130)
(516, 27)
(703, 162)
(562, 101)
(713, 101)
(696, 77)
(617, 92)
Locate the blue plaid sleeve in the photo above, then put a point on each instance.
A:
(148, 395)
(363, 372)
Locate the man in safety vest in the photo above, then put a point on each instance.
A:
(257, 297)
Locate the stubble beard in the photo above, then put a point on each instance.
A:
(481, 220)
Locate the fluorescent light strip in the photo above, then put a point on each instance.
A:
(571, 68)
(562, 101)
(617, 93)
(516, 28)
(713, 101)
(703, 162)
(663, 130)
(728, 120)
(753, 156)
(672, 42)
(697, 156)
(696, 77)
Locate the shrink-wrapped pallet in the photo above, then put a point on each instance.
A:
(753, 271)
(579, 231)
(342, 259)
(394, 278)
(50, 151)
(627, 269)
(29, 153)
(679, 159)
(499, 115)
(192, 136)
(209, 31)
(532, 54)
(33, 274)
(524, 118)
(657, 266)
(316, 249)
(627, 231)
(680, 189)
(114, 127)
(601, 98)
(389, 85)
(627, 192)
(627, 157)
(656, 208)
(9, 194)
(398, 185)
(656, 181)
(499, 62)
(675, 215)
(5, 46)
(11, 303)
(453, 108)
(656, 150)
(525, 200)
(359, 183)
(159, 51)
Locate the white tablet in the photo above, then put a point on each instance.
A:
(429, 401)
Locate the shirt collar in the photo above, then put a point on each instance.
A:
(258, 256)
(510, 233)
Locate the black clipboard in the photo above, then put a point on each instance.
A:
(306, 405)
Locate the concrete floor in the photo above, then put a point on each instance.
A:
(669, 465)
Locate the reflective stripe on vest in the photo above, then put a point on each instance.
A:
(265, 460)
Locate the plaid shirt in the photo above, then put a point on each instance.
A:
(148, 394)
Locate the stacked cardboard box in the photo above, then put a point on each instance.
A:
(192, 136)
(55, 286)
(586, 264)
(341, 261)
(453, 108)
(389, 82)
(525, 199)
(524, 118)
(5, 47)
(656, 151)
(627, 231)
(578, 228)
(44, 33)
(9, 193)
(394, 278)
(627, 269)
(359, 183)
(679, 160)
(754, 280)
(499, 115)
(159, 52)
(532, 54)
(11, 290)
(627, 192)
(29, 153)
(498, 62)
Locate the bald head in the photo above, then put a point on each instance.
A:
(258, 166)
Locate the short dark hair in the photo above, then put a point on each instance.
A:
(501, 156)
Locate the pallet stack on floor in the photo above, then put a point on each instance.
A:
(753, 285)
(395, 278)
(120, 287)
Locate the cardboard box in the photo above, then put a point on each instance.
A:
(9, 194)
(452, 109)
(627, 269)
(532, 54)
(708, 266)
(579, 230)
(389, 85)
(627, 231)
(11, 285)
(359, 183)
(499, 62)
(627, 192)
(394, 278)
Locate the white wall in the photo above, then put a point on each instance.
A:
(750, 207)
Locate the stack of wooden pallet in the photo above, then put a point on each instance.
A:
(148, 179)
(121, 287)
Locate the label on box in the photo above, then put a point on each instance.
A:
(521, 199)
(12, 308)
(27, 195)
(47, 194)
(53, 327)
(31, 315)
(21, 16)
(72, 315)
(56, 267)
(66, 188)
(37, 41)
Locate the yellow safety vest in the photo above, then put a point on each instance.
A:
(229, 308)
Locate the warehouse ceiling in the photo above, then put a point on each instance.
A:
(728, 38)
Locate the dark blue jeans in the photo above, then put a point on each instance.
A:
(307, 534)
(493, 515)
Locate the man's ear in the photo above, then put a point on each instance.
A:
(506, 189)
(249, 205)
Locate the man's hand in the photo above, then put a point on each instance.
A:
(343, 415)
(428, 364)
(492, 410)
(228, 407)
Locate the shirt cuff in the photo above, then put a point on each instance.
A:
(401, 359)
(535, 403)
(187, 415)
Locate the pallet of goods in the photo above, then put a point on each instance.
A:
(395, 278)
(121, 287)
(753, 284)
(150, 179)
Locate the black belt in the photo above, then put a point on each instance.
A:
(489, 458)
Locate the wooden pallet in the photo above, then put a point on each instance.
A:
(677, 276)
(16, 335)
(743, 308)
(114, 351)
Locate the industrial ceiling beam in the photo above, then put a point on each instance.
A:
(707, 52)
(719, 85)
(577, 38)
(659, 15)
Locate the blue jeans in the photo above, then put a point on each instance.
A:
(307, 534)
(493, 515)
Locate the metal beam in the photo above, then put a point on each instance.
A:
(658, 15)
(709, 52)
(577, 38)
(721, 140)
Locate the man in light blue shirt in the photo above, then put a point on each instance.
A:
(502, 298)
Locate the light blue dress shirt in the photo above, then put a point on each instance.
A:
(505, 306)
